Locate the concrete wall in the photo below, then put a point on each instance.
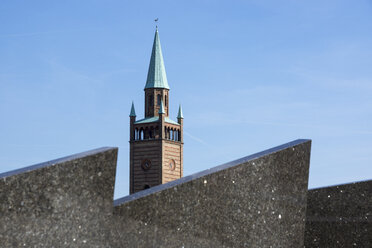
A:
(340, 216)
(256, 201)
(61, 203)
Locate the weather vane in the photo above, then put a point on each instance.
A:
(156, 21)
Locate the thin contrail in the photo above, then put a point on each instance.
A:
(195, 138)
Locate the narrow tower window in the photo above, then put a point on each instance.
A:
(166, 97)
(141, 134)
(151, 133)
(151, 100)
(159, 99)
(146, 133)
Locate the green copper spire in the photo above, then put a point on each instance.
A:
(156, 76)
(161, 110)
(132, 111)
(180, 114)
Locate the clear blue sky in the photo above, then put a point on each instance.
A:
(250, 75)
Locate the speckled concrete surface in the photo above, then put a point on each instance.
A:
(340, 216)
(256, 201)
(61, 203)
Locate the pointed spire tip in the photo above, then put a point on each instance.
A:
(156, 75)
(132, 111)
(180, 114)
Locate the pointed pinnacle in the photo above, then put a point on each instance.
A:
(132, 111)
(180, 114)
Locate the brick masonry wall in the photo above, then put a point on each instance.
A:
(172, 151)
(151, 150)
(153, 109)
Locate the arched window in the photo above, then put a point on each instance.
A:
(146, 134)
(159, 99)
(166, 100)
(156, 132)
(151, 100)
(141, 134)
(151, 133)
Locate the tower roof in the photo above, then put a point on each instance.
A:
(155, 119)
(161, 110)
(132, 111)
(180, 114)
(156, 76)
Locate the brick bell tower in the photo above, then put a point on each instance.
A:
(156, 142)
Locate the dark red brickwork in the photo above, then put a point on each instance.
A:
(152, 103)
(156, 148)
(172, 154)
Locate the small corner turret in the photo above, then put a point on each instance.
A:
(132, 111)
(180, 114)
(180, 121)
(132, 117)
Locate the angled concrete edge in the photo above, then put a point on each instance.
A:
(256, 201)
(57, 202)
(225, 166)
(55, 161)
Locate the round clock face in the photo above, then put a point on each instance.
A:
(172, 164)
(146, 164)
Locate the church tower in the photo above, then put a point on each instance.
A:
(156, 142)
